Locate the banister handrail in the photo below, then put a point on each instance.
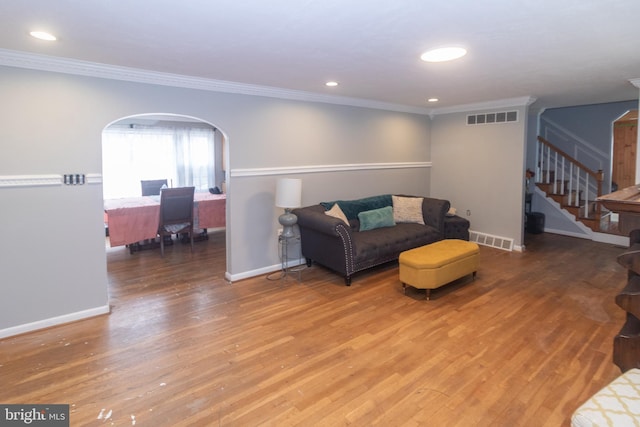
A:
(597, 175)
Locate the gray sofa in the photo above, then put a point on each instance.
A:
(346, 249)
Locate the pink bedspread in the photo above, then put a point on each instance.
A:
(134, 219)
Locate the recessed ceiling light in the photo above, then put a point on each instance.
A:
(43, 35)
(433, 100)
(443, 54)
(331, 84)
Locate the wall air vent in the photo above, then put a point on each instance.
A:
(497, 242)
(492, 118)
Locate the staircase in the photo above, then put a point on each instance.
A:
(569, 183)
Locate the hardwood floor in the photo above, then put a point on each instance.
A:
(523, 345)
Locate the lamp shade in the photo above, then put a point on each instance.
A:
(289, 193)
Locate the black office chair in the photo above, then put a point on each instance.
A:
(152, 187)
(176, 213)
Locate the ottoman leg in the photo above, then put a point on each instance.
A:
(427, 294)
(404, 288)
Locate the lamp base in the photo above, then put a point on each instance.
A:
(287, 220)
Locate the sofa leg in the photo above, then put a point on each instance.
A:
(309, 262)
(347, 280)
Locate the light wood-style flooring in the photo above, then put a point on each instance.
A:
(523, 345)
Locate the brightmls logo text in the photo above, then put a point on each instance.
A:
(34, 415)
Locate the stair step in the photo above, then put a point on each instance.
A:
(591, 219)
(564, 199)
(547, 187)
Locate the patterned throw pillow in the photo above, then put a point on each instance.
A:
(407, 209)
(336, 212)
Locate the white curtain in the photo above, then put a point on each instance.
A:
(184, 156)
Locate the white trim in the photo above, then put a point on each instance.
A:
(30, 180)
(523, 101)
(8, 181)
(635, 82)
(567, 233)
(32, 61)
(54, 321)
(260, 271)
(93, 178)
(12, 58)
(612, 239)
(326, 168)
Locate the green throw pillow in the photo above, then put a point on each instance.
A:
(352, 208)
(376, 218)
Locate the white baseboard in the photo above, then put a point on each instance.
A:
(54, 321)
(260, 271)
(611, 239)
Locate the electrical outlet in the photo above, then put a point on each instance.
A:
(468, 212)
(279, 232)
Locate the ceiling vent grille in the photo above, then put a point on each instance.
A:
(492, 118)
(504, 243)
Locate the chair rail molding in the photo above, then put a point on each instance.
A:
(326, 168)
(49, 180)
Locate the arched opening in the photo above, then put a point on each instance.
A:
(175, 150)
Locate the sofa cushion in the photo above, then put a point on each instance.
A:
(376, 218)
(380, 244)
(352, 208)
(407, 209)
(336, 212)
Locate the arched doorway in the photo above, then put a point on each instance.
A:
(181, 150)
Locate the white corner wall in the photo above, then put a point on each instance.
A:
(480, 169)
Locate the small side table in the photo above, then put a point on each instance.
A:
(285, 243)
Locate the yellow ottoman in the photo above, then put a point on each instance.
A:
(431, 266)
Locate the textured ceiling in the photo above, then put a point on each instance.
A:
(568, 52)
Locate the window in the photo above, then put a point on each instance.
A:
(183, 155)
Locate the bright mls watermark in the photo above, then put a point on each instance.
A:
(34, 415)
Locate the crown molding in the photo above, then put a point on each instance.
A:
(523, 101)
(635, 82)
(33, 61)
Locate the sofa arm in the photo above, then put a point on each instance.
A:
(313, 217)
(325, 239)
(434, 212)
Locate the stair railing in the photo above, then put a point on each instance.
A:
(568, 180)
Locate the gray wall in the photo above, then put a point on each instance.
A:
(54, 261)
(480, 168)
